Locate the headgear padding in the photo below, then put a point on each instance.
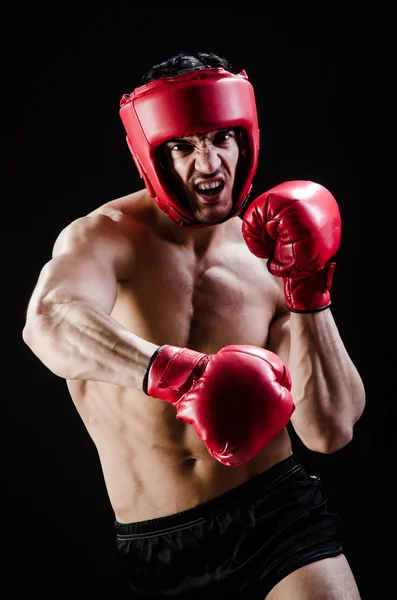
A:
(194, 102)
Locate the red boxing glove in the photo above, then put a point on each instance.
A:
(297, 226)
(237, 400)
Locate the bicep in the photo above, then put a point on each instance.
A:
(73, 277)
(88, 259)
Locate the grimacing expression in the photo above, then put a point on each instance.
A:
(201, 169)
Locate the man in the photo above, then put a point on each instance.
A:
(191, 326)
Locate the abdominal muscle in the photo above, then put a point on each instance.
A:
(153, 464)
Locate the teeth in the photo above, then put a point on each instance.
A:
(209, 186)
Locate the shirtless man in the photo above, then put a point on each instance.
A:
(191, 326)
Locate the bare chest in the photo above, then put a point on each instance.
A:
(229, 297)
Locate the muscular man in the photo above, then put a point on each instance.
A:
(192, 323)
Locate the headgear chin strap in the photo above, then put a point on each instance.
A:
(194, 102)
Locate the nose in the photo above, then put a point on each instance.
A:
(207, 160)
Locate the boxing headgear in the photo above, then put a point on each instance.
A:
(194, 102)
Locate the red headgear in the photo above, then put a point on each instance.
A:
(194, 102)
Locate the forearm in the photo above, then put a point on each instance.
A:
(77, 340)
(327, 388)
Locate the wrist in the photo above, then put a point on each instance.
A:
(148, 367)
(309, 294)
(170, 372)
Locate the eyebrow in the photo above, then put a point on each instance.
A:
(183, 139)
(176, 139)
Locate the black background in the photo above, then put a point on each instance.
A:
(317, 75)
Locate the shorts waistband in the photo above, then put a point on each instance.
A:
(209, 509)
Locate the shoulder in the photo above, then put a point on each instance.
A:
(117, 221)
(133, 207)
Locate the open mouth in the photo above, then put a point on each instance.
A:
(210, 189)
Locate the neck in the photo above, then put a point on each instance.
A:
(198, 238)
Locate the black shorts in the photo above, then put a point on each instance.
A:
(239, 544)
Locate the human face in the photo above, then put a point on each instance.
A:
(202, 168)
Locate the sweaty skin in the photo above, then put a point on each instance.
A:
(168, 291)
(124, 280)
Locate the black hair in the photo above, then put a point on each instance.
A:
(183, 62)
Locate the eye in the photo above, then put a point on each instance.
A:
(180, 148)
(223, 138)
(176, 147)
